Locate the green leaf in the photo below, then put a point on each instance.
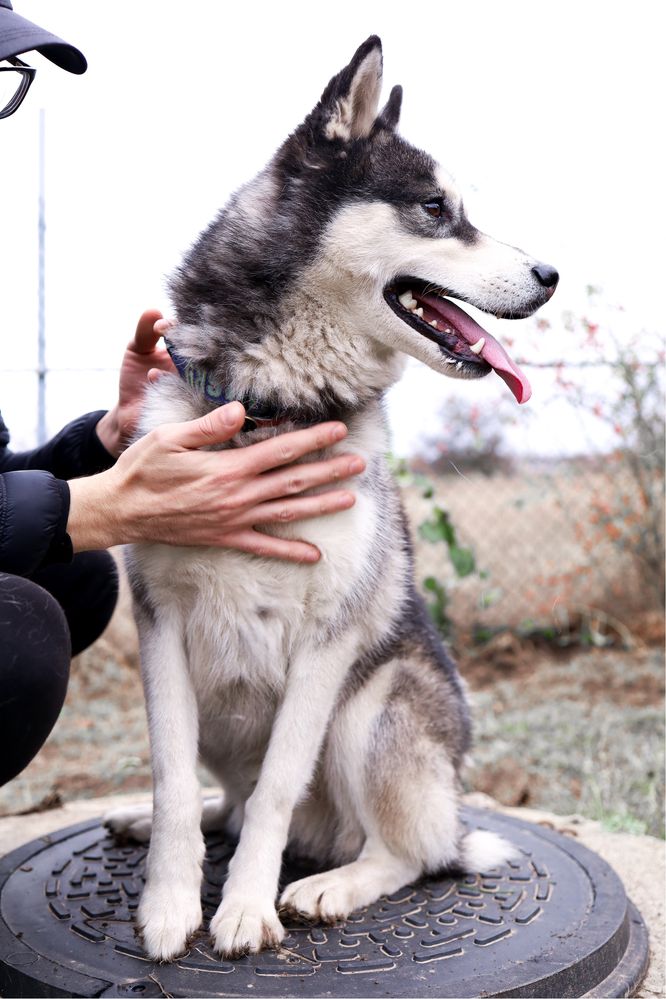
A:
(438, 528)
(434, 586)
(430, 531)
(463, 560)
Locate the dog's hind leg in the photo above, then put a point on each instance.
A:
(332, 895)
(130, 822)
(135, 822)
(392, 757)
(170, 906)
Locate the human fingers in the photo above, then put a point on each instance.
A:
(266, 546)
(286, 510)
(145, 337)
(162, 357)
(286, 482)
(286, 448)
(214, 428)
(162, 326)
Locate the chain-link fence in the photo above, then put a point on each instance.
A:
(546, 540)
(547, 544)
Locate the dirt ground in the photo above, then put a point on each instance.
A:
(581, 731)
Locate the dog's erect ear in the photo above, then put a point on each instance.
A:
(350, 101)
(346, 112)
(390, 115)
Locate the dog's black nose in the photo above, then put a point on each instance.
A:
(546, 275)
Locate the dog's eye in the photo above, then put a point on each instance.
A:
(435, 208)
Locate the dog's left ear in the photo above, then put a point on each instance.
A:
(390, 116)
(349, 104)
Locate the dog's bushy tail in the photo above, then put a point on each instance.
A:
(482, 850)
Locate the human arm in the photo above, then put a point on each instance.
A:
(165, 489)
(75, 450)
(34, 507)
(34, 496)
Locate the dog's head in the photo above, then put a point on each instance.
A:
(396, 242)
(358, 241)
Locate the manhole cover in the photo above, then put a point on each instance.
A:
(557, 923)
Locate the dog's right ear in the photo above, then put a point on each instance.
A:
(346, 112)
(348, 107)
(351, 100)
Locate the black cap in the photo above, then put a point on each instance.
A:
(18, 35)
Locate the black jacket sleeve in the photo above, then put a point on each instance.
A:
(34, 507)
(75, 451)
(34, 496)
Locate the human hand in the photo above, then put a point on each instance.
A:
(117, 427)
(165, 489)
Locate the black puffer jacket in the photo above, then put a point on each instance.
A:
(34, 495)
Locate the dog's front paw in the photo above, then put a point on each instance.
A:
(168, 914)
(245, 926)
(130, 822)
(326, 898)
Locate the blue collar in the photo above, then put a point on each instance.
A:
(214, 393)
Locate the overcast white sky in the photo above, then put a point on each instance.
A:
(549, 115)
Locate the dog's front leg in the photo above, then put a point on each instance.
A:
(170, 907)
(247, 919)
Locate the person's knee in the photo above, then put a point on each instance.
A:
(36, 654)
(87, 591)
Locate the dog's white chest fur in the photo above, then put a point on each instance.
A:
(244, 616)
(244, 619)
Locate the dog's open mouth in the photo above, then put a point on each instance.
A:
(461, 340)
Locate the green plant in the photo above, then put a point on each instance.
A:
(437, 528)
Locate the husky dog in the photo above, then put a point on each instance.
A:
(319, 696)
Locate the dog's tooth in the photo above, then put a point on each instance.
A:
(419, 313)
(477, 347)
(433, 323)
(407, 300)
(447, 330)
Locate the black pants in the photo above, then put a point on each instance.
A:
(44, 621)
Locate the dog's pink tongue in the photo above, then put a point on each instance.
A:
(492, 351)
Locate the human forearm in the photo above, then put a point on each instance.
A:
(95, 513)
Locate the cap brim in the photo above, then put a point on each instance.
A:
(18, 36)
